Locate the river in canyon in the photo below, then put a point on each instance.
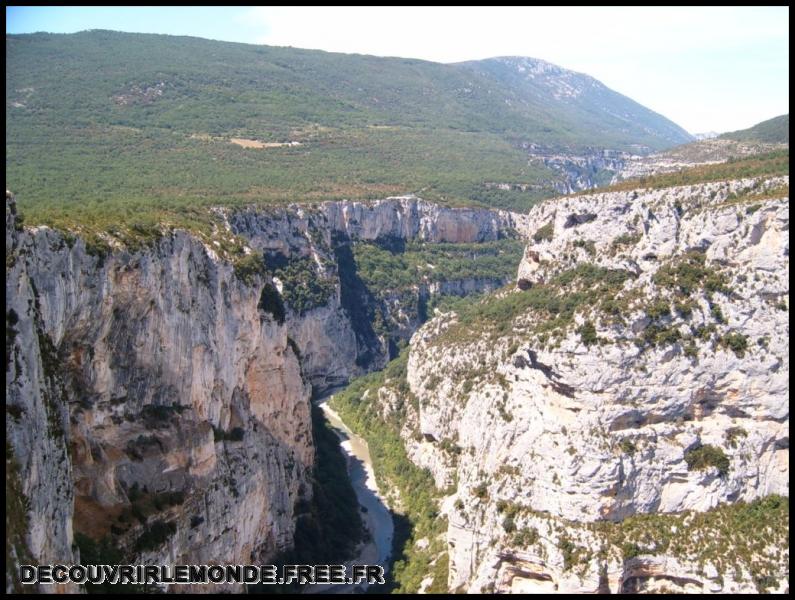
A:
(375, 514)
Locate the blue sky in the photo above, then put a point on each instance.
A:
(706, 68)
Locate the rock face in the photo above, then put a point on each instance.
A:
(580, 170)
(35, 426)
(153, 396)
(402, 217)
(639, 368)
(119, 369)
(336, 342)
(409, 217)
(675, 350)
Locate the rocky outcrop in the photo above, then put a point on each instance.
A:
(519, 571)
(706, 151)
(592, 112)
(581, 169)
(640, 367)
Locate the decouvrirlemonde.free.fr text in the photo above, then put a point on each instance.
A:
(200, 574)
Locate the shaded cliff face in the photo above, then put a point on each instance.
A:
(640, 367)
(149, 399)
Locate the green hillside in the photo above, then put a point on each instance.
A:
(107, 126)
(773, 131)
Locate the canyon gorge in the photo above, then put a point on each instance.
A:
(171, 375)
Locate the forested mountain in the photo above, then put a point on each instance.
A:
(128, 122)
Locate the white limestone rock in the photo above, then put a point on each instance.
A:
(585, 433)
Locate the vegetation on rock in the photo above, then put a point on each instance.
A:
(703, 457)
(417, 516)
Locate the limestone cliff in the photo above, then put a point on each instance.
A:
(640, 367)
(150, 399)
(158, 399)
(579, 170)
(336, 337)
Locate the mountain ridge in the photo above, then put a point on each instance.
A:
(775, 130)
(570, 85)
